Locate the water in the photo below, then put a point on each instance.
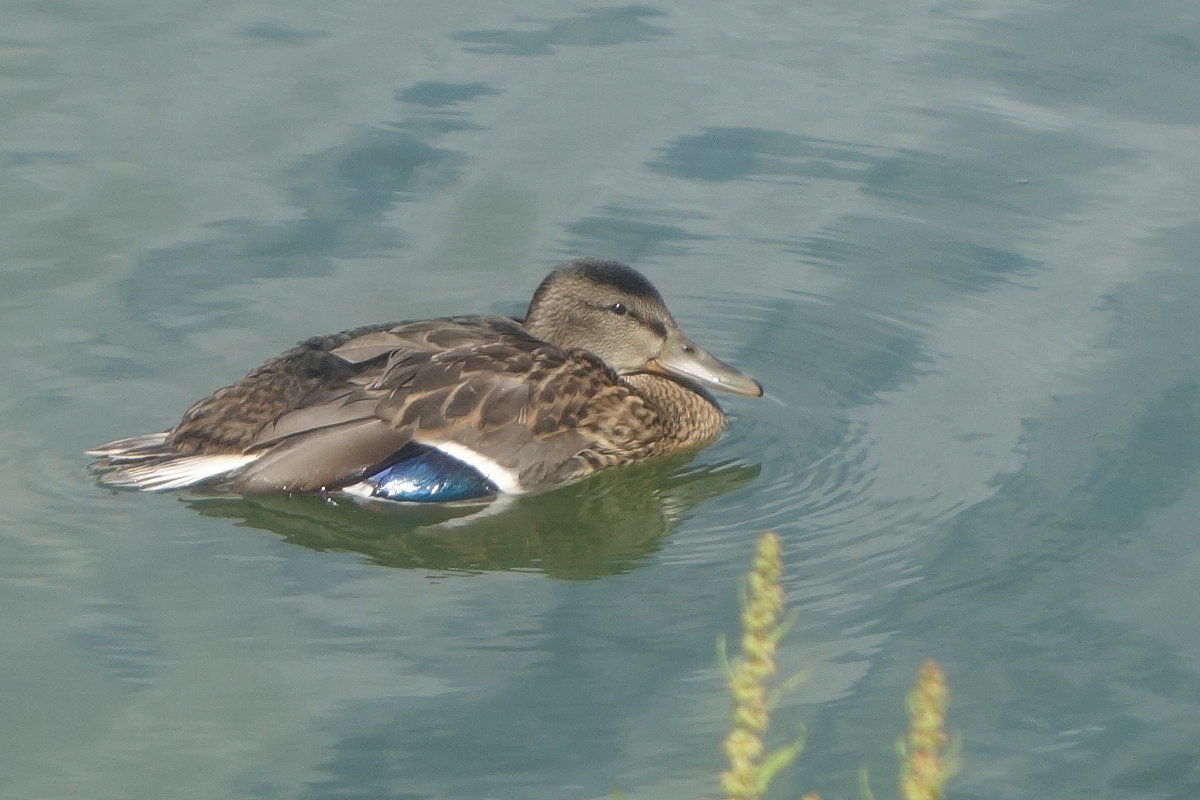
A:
(956, 242)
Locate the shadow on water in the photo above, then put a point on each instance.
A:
(342, 197)
(345, 193)
(632, 234)
(598, 27)
(602, 526)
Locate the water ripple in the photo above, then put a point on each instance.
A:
(821, 359)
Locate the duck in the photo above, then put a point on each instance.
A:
(597, 374)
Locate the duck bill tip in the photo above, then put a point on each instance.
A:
(683, 358)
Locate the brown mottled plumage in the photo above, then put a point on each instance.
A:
(597, 374)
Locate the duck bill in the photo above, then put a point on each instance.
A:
(683, 358)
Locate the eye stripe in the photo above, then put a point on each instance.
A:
(625, 311)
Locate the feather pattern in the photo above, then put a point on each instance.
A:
(591, 378)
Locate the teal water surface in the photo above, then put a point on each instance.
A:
(956, 242)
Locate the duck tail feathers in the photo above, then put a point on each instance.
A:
(176, 472)
(149, 464)
(134, 448)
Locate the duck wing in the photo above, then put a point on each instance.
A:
(524, 413)
(309, 384)
(482, 390)
(309, 403)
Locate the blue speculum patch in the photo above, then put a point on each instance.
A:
(425, 475)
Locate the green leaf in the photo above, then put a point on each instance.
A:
(785, 686)
(864, 784)
(723, 657)
(776, 760)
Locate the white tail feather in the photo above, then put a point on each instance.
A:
(175, 473)
(147, 445)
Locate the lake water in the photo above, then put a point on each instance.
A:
(956, 241)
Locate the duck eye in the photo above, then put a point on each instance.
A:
(618, 308)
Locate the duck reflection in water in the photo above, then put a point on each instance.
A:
(603, 525)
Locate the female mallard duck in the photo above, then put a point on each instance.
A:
(598, 374)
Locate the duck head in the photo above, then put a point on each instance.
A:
(611, 310)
